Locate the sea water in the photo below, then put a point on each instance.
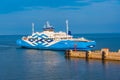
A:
(29, 64)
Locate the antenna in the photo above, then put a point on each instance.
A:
(32, 28)
(67, 28)
(47, 24)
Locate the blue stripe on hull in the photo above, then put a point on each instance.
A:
(62, 45)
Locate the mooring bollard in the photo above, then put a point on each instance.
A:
(88, 54)
(104, 53)
(119, 51)
(68, 52)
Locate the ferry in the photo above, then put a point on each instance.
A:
(48, 39)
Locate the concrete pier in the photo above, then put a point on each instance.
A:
(103, 54)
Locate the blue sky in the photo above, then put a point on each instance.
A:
(85, 16)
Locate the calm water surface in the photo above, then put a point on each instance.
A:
(30, 64)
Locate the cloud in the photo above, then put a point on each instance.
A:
(98, 0)
(33, 8)
(7, 6)
(69, 7)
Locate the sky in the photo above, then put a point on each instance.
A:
(84, 16)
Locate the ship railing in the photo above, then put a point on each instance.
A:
(81, 39)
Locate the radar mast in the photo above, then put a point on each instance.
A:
(32, 28)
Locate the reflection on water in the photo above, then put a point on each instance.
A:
(30, 64)
(41, 64)
(96, 69)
